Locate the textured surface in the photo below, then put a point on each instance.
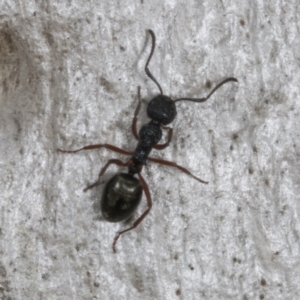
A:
(68, 77)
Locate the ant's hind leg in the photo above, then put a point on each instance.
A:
(140, 219)
(102, 171)
(136, 112)
(174, 165)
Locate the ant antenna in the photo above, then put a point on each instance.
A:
(207, 97)
(148, 60)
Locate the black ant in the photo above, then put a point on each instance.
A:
(123, 192)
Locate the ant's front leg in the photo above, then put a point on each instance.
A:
(169, 139)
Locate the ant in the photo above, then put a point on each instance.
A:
(123, 192)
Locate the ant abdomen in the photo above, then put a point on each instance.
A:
(121, 196)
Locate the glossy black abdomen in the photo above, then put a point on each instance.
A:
(121, 196)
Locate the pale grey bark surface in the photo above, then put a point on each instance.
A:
(69, 73)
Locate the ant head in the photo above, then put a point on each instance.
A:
(162, 109)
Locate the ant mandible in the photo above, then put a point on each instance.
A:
(123, 192)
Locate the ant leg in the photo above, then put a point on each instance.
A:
(102, 171)
(97, 146)
(173, 164)
(140, 219)
(136, 112)
(167, 143)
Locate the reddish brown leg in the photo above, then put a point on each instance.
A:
(111, 161)
(140, 219)
(167, 143)
(136, 112)
(172, 164)
(97, 146)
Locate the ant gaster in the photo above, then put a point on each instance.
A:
(123, 192)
